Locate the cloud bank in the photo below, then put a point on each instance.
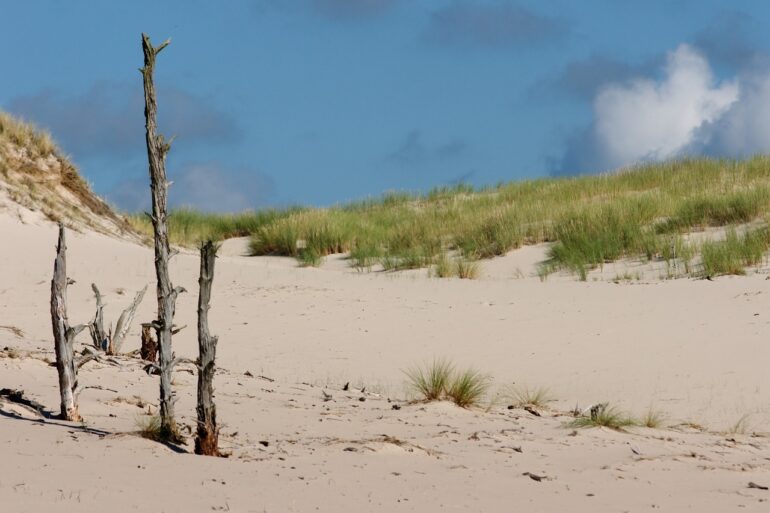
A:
(492, 24)
(207, 186)
(685, 112)
(108, 119)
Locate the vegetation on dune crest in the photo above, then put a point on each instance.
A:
(34, 170)
(26, 135)
(644, 213)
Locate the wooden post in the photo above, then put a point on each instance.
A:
(207, 435)
(64, 335)
(157, 148)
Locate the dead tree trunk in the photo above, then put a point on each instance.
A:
(108, 341)
(207, 435)
(64, 335)
(157, 148)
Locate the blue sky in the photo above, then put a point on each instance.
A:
(316, 102)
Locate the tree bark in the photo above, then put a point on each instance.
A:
(207, 435)
(149, 350)
(157, 148)
(64, 335)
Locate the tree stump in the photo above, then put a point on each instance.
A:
(207, 434)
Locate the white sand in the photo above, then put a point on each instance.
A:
(697, 350)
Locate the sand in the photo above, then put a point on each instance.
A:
(695, 350)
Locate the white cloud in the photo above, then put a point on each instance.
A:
(745, 128)
(656, 120)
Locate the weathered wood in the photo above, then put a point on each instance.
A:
(99, 337)
(207, 434)
(63, 334)
(157, 149)
(124, 324)
(108, 341)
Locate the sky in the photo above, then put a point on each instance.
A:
(321, 102)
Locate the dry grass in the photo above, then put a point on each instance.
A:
(148, 426)
(605, 416)
(653, 419)
(538, 397)
(25, 135)
(37, 170)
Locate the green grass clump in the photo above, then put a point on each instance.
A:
(439, 380)
(188, 227)
(468, 388)
(432, 381)
(606, 416)
(736, 252)
(738, 207)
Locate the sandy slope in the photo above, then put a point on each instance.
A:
(697, 350)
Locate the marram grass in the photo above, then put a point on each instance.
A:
(640, 213)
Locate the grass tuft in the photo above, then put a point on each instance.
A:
(653, 419)
(151, 428)
(468, 388)
(604, 416)
(432, 381)
(438, 380)
(148, 426)
(736, 252)
(466, 269)
(538, 397)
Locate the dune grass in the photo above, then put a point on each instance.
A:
(652, 419)
(468, 388)
(538, 397)
(606, 416)
(643, 213)
(26, 135)
(432, 381)
(188, 227)
(439, 380)
(736, 252)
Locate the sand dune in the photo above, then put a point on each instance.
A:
(696, 350)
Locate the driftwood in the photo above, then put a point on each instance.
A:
(207, 434)
(108, 341)
(157, 149)
(64, 335)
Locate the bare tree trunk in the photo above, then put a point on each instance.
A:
(64, 335)
(157, 148)
(207, 435)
